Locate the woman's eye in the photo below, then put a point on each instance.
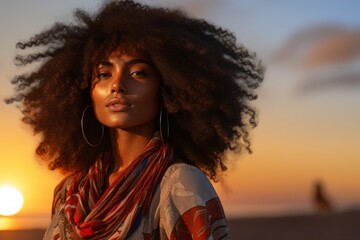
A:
(138, 74)
(103, 75)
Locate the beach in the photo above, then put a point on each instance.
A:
(331, 226)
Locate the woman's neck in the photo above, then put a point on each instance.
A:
(128, 144)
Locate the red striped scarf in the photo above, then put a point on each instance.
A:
(115, 212)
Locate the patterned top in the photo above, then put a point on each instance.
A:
(185, 206)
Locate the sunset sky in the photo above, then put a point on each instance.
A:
(309, 103)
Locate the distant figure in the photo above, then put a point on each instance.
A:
(320, 199)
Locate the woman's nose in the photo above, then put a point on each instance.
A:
(118, 88)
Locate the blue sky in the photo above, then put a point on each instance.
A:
(260, 24)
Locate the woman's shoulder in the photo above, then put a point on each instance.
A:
(63, 187)
(185, 172)
(182, 179)
(189, 207)
(182, 169)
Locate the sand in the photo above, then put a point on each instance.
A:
(334, 226)
(26, 234)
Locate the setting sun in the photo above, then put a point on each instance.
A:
(11, 200)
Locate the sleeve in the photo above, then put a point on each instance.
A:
(189, 206)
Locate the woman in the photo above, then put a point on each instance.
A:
(136, 105)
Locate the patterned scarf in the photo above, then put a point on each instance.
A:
(115, 212)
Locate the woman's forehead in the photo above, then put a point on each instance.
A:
(127, 53)
(124, 55)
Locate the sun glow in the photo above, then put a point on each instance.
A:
(11, 200)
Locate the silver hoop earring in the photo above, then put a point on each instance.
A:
(167, 128)
(83, 131)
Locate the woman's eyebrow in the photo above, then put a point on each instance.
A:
(130, 62)
(138, 60)
(105, 63)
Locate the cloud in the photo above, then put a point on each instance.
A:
(335, 49)
(321, 45)
(345, 80)
(324, 48)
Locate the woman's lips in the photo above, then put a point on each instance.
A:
(118, 105)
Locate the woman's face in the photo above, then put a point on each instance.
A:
(125, 91)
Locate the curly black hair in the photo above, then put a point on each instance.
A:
(207, 82)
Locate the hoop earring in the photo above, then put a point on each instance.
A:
(167, 128)
(83, 131)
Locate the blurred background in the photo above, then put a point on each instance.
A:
(307, 145)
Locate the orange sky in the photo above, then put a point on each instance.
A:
(290, 152)
(300, 138)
